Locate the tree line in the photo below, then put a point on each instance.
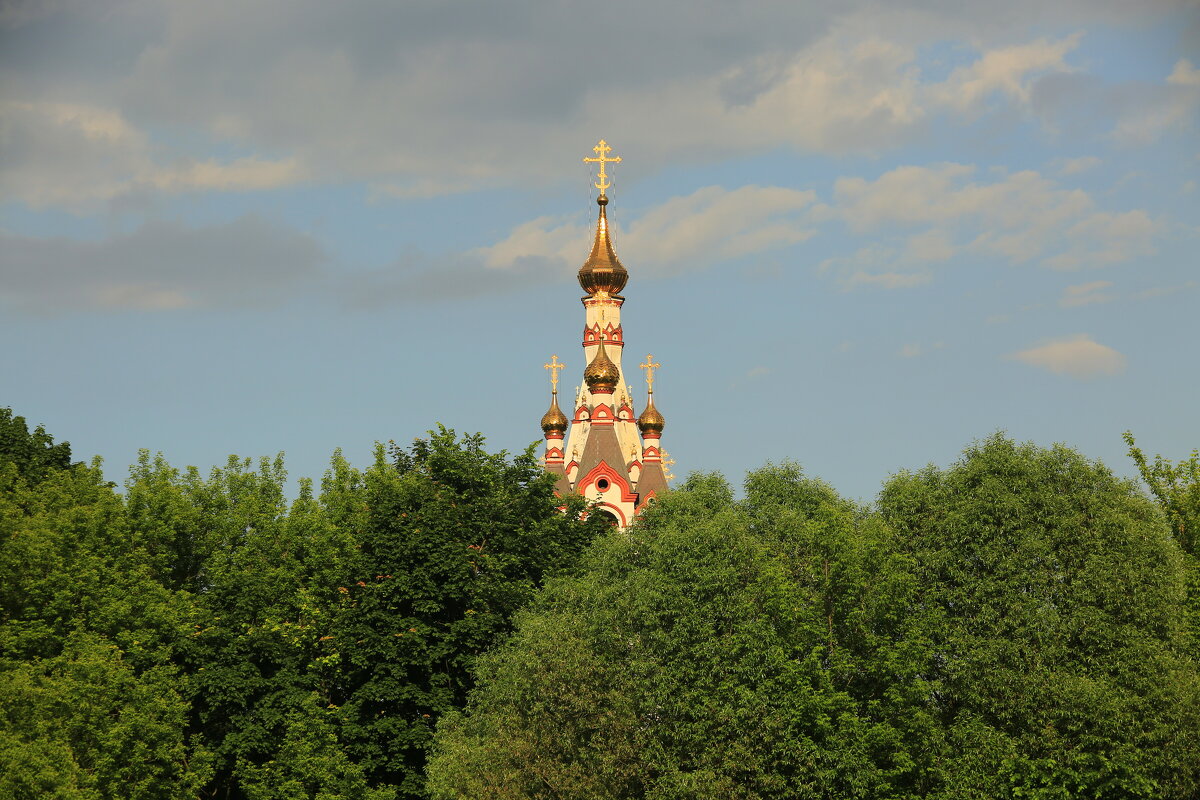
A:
(1021, 624)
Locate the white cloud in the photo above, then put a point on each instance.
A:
(1146, 115)
(239, 175)
(1077, 356)
(160, 266)
(910, 351)
(929, 247)
(944, 193)
(1083, 294)
(1007, 71)
(1018, 217)
(886, 280)
(1163, 291)
(73, 155)
(420, 101)
(1107, 238)
(1074, 166)
(709, 225)
(1184, 74)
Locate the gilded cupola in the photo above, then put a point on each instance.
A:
(554, 420)
(602, 272)
(651, 420)
(602, 374)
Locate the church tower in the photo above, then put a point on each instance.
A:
(610, 456)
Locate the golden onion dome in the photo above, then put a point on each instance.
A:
(651, 420)
(602, 272)
(602, 374)
(554, 419)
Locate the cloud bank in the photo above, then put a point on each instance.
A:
(1076, 356)
(162, 266)
(419, 98)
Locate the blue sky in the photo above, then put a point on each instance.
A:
(860, 235)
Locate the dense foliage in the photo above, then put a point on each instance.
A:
(1013, 626)
(1176, 486)
(202, 637)
(1008, 627)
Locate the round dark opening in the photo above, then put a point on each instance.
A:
(602, 484)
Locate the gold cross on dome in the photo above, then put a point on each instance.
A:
(602, 150)
(554, 366)
(649, 367)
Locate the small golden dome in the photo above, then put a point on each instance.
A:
(602, 374)
(602, 272)
(554, 419)
(651, 420)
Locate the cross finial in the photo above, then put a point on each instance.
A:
(649, 366)
(554, 366)
(602, 150)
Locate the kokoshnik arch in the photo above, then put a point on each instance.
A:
(610, 456)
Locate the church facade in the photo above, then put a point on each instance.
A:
(605, 452)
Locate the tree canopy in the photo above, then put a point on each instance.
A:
(1007, 627)
(1020, 624)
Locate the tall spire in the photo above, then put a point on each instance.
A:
(613, 457)
(602, 272)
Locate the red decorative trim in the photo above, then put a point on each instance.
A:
(612, 335)
(582, 414)
(616, 512)
(604, 470)
(553, 435)
(612, 300)
(651, 435)
(554, 454)
(628, 411)
(651, 495)
(602, 411)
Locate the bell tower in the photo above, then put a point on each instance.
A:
(611, 455)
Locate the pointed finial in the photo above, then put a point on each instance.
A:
(602, 150)
(649, 366)
(554, 366)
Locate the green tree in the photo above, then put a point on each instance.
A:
(309, 763)
(1176, 487)
(86, 724)
(263, 577)
(91, 704)
(1045, 595)
(34, 453)
(692, 657)
(450, 541)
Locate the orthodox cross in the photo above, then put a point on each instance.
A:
(602, 150)
(554, 366)
(649, 367)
